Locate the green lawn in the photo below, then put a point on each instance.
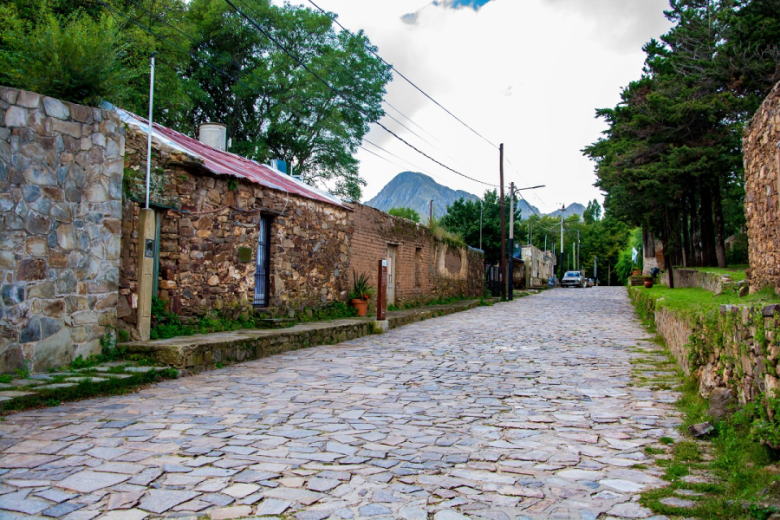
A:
(737, 272)
(697, 299)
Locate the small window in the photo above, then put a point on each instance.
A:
(263, 267)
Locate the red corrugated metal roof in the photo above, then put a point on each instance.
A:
(226, 163)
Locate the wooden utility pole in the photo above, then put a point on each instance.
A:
(430, 221)
(503, 223)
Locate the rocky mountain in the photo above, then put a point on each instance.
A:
(415, 190)
(570, 210)
(527, 209)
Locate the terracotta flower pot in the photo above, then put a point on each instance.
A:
(648, 284)
(361, 306)
(637, 272)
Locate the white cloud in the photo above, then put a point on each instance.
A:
(526, 73)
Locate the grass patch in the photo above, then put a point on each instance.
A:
(88, 389)
(736, 272)
(696, 300)
(439, 300)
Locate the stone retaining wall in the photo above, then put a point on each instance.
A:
(733, 346)
(687, 278)
(677, 334)
(762, 181)
(60, 210)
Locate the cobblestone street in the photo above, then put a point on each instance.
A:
(524, 410)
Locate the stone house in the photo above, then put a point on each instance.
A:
(420, 266)
(60, 229)
(539, 266)
(761, 146)
(233, 234)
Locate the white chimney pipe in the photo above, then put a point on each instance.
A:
(214, 135)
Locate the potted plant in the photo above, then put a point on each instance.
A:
(361, 292)
(649, 281)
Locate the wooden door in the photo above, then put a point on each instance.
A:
(391, 255)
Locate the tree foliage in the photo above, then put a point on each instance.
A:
(671, 158)
(595, 237)
(213, 66)
(463, 218)
(404, 212)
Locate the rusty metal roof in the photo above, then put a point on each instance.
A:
(226, 163)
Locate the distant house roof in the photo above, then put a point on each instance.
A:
(226, 163)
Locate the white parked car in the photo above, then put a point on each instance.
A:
(573, 279)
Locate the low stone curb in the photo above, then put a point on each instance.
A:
(196, 353)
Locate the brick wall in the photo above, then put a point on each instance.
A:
(199, 265)
(425, 267)
(374, 231)
(762, 206)
(60, 205)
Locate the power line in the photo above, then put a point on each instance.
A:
(342, 96)
(520, 177)
(369, 49)
(397, 157)
(402, 159)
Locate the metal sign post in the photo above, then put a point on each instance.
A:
(381, 295)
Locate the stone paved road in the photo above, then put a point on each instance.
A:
(519, 411)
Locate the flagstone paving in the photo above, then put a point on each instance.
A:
(523, 410)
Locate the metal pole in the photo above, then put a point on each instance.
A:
(563, 251)
(511, 270)
(149, 144)
(503, 221)
(431, 218)
(579, 249)
(481, 206)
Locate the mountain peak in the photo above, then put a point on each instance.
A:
(416, 190)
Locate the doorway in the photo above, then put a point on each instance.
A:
(391, 256)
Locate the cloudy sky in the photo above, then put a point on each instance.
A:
(528, 73)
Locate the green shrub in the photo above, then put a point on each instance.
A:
(405, 213)
(74, 58)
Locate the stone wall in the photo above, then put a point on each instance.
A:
(465, 277)
(425, 266)
(762, 206)
(686, 278)
(214, 215)
(734, 346)
(60, 210)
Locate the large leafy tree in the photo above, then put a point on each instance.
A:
(463, 218)
(672, 152)
(213, 66)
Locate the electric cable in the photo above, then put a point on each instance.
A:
(369, 49)
(344, 97)
(421, 170)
